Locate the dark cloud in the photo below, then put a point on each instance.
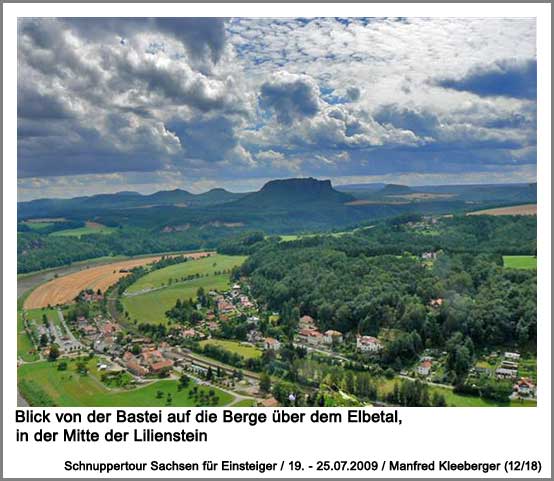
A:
(32, 104)
(421, 122)
(353, 93)
(200, 36)
(506, 78)
(208, 139)
(290, 97)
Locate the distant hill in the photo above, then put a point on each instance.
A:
(395, 189)
(294, 192)
(374, 186)
(123, 200)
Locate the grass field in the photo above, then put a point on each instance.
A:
(520, 262)
(205, 266)
(80, 231)
(151, 306)
(458, 400)
(245, 403)
(42, 384)
(51, 314)
(25, 347)
(248, 352)
(38, 225)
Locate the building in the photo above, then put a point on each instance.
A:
(368, 344)
(306, 322)
(513, 356)
(310, 336)
(133, 366)
(161, 365)
(436, 302)
(254, 336)
(424, 368)
(332, 337)
(429, 256)
(503, 373)
(524, 386)
(271, 343)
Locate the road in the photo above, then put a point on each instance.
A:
(73, 342)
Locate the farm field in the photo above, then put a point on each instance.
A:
(63, 290)
(248, 352)
(206, 266)
(42, 384)
(152, 306)
(520, 262)
(80, 231)
(525, 209)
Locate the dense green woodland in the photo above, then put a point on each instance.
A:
(178, 220)
(360, 284)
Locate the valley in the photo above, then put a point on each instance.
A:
(388, 311)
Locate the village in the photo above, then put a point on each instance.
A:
(130, 358)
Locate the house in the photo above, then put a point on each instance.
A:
(161, 365)
(436, 302)
(332, 337)
(368, 344)
(134, 367)
(514, 356)
(271, 343)
(189, 333)
(223, 306)
(270, 402)
(503, 373)
(254, 336)
(212, 325)
(310, 336)
(524, 386)
(306, 322)
(509, 365)
(424, 368)
(429, 256)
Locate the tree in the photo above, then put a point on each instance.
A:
(184, 381)
(43, 340)
(54, 352)
(265, 383)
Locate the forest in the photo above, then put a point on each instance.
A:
(355, 284)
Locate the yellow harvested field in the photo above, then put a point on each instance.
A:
(525, 209)
(63, 290)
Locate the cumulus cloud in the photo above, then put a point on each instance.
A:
(508, 78)
(290, 96)
(232, 101)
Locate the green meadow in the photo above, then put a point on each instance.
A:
(520, 262)
(80, 231)
(206, 266)
(152, 306)
(25, 347)
(42, 384)
(38, 225)
(248, 352)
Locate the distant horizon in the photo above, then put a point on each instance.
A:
(334, 185)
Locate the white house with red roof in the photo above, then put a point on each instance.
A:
(368, 344)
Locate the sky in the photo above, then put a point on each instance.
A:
(148, 104)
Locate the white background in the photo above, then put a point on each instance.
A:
(457, 434)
